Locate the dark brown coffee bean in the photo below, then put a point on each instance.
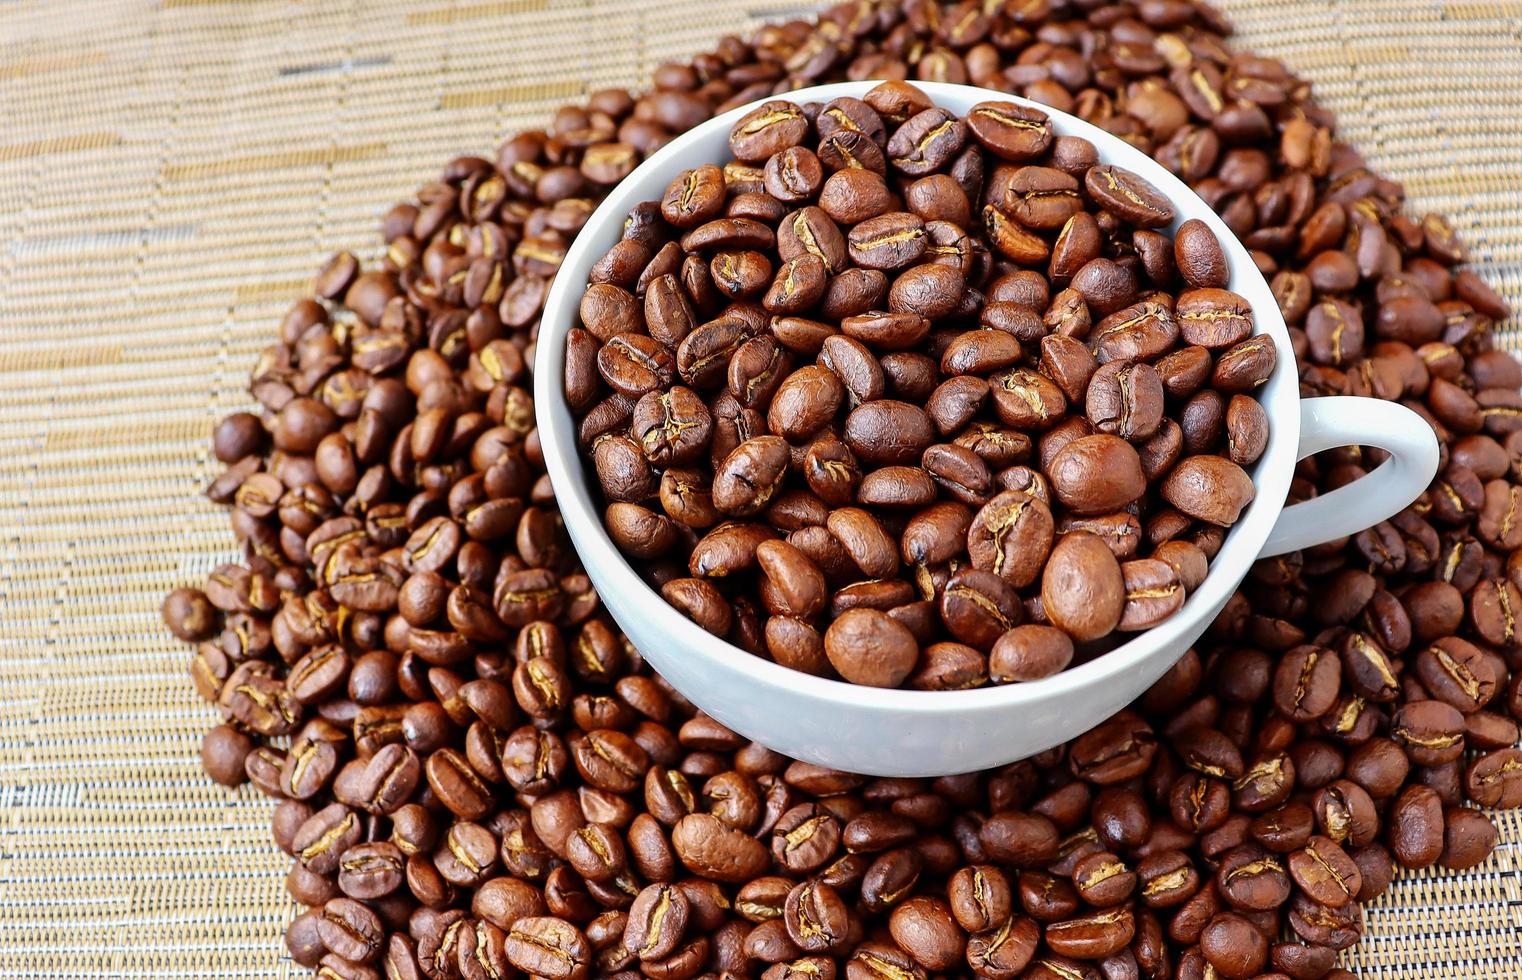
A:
(926, 142)
(1103, 879)
(749, 477)
(1043, 198)
(1097, 474)
(225, 751)
(1125, 400)
(1153, 593)
(351, 930)
(1199, 256)
(1069, 363)
(1082, 590)
(771, 128)
(1469, 837)
(1093, 935)
(1020, 839)
(1233, 946)
(809, 231)
(1167, 879)
(1026, 400)
(1209, 488)
(1244, 367)
(925, 928)
(1011, 240)
(657, 920)
(1415, 834)
(1029, 652)
(929, 290)
(816, 917)
(1246, 430)
(1457, 672)
(853, 195)
(1128, 196)
(1324, 872)
(190, 615)
(1142, 331)
(868, 647)
(1213, 318)
(548, 947)
(708, 847)
(456, 785)
(1184, 371)
(1305, 682)
(1494, 779)
(1431, 732)
(1251, 878)
(888, 241)
(887, 432)
(1345, 813)
(793, 175)
(980, 898)
(1009, 130)
(694, 197)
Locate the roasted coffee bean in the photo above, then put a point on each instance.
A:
(1009, 130)
(1493, 779)
(816, 917)
(351, 930)
(1469, 837)
(980, 898)
(1431, 732)
(1082, 589)
(1093, 935)
(225, 751)
(1199, 257)
(770, 129)
(869, 647)
(1011, 537)
(926, 142)
(1251, 878)
(190, 615)
(1415, 834)
(1125, 400)
(1029, 653)
(657, 920)
(1243, 368)
(1127, 195)
(1324, 872)
(888, 241)
(548, 947)
(1153, 593)
(1213, 318)
(713, 850)
(1233, 945)
(1209, 488)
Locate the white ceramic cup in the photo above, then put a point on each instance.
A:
(921, 733)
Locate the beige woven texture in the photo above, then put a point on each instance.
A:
(171, 172)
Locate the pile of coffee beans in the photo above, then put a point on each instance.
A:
(478, 777)
(903, 380)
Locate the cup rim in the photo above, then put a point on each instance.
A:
(612, 573)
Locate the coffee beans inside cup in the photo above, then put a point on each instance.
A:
(917, 400)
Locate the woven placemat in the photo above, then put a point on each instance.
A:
(171, 171)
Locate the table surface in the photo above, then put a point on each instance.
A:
(171, 173)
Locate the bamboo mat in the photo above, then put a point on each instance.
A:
(171, 172)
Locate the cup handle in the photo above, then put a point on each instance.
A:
(1326, 423)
